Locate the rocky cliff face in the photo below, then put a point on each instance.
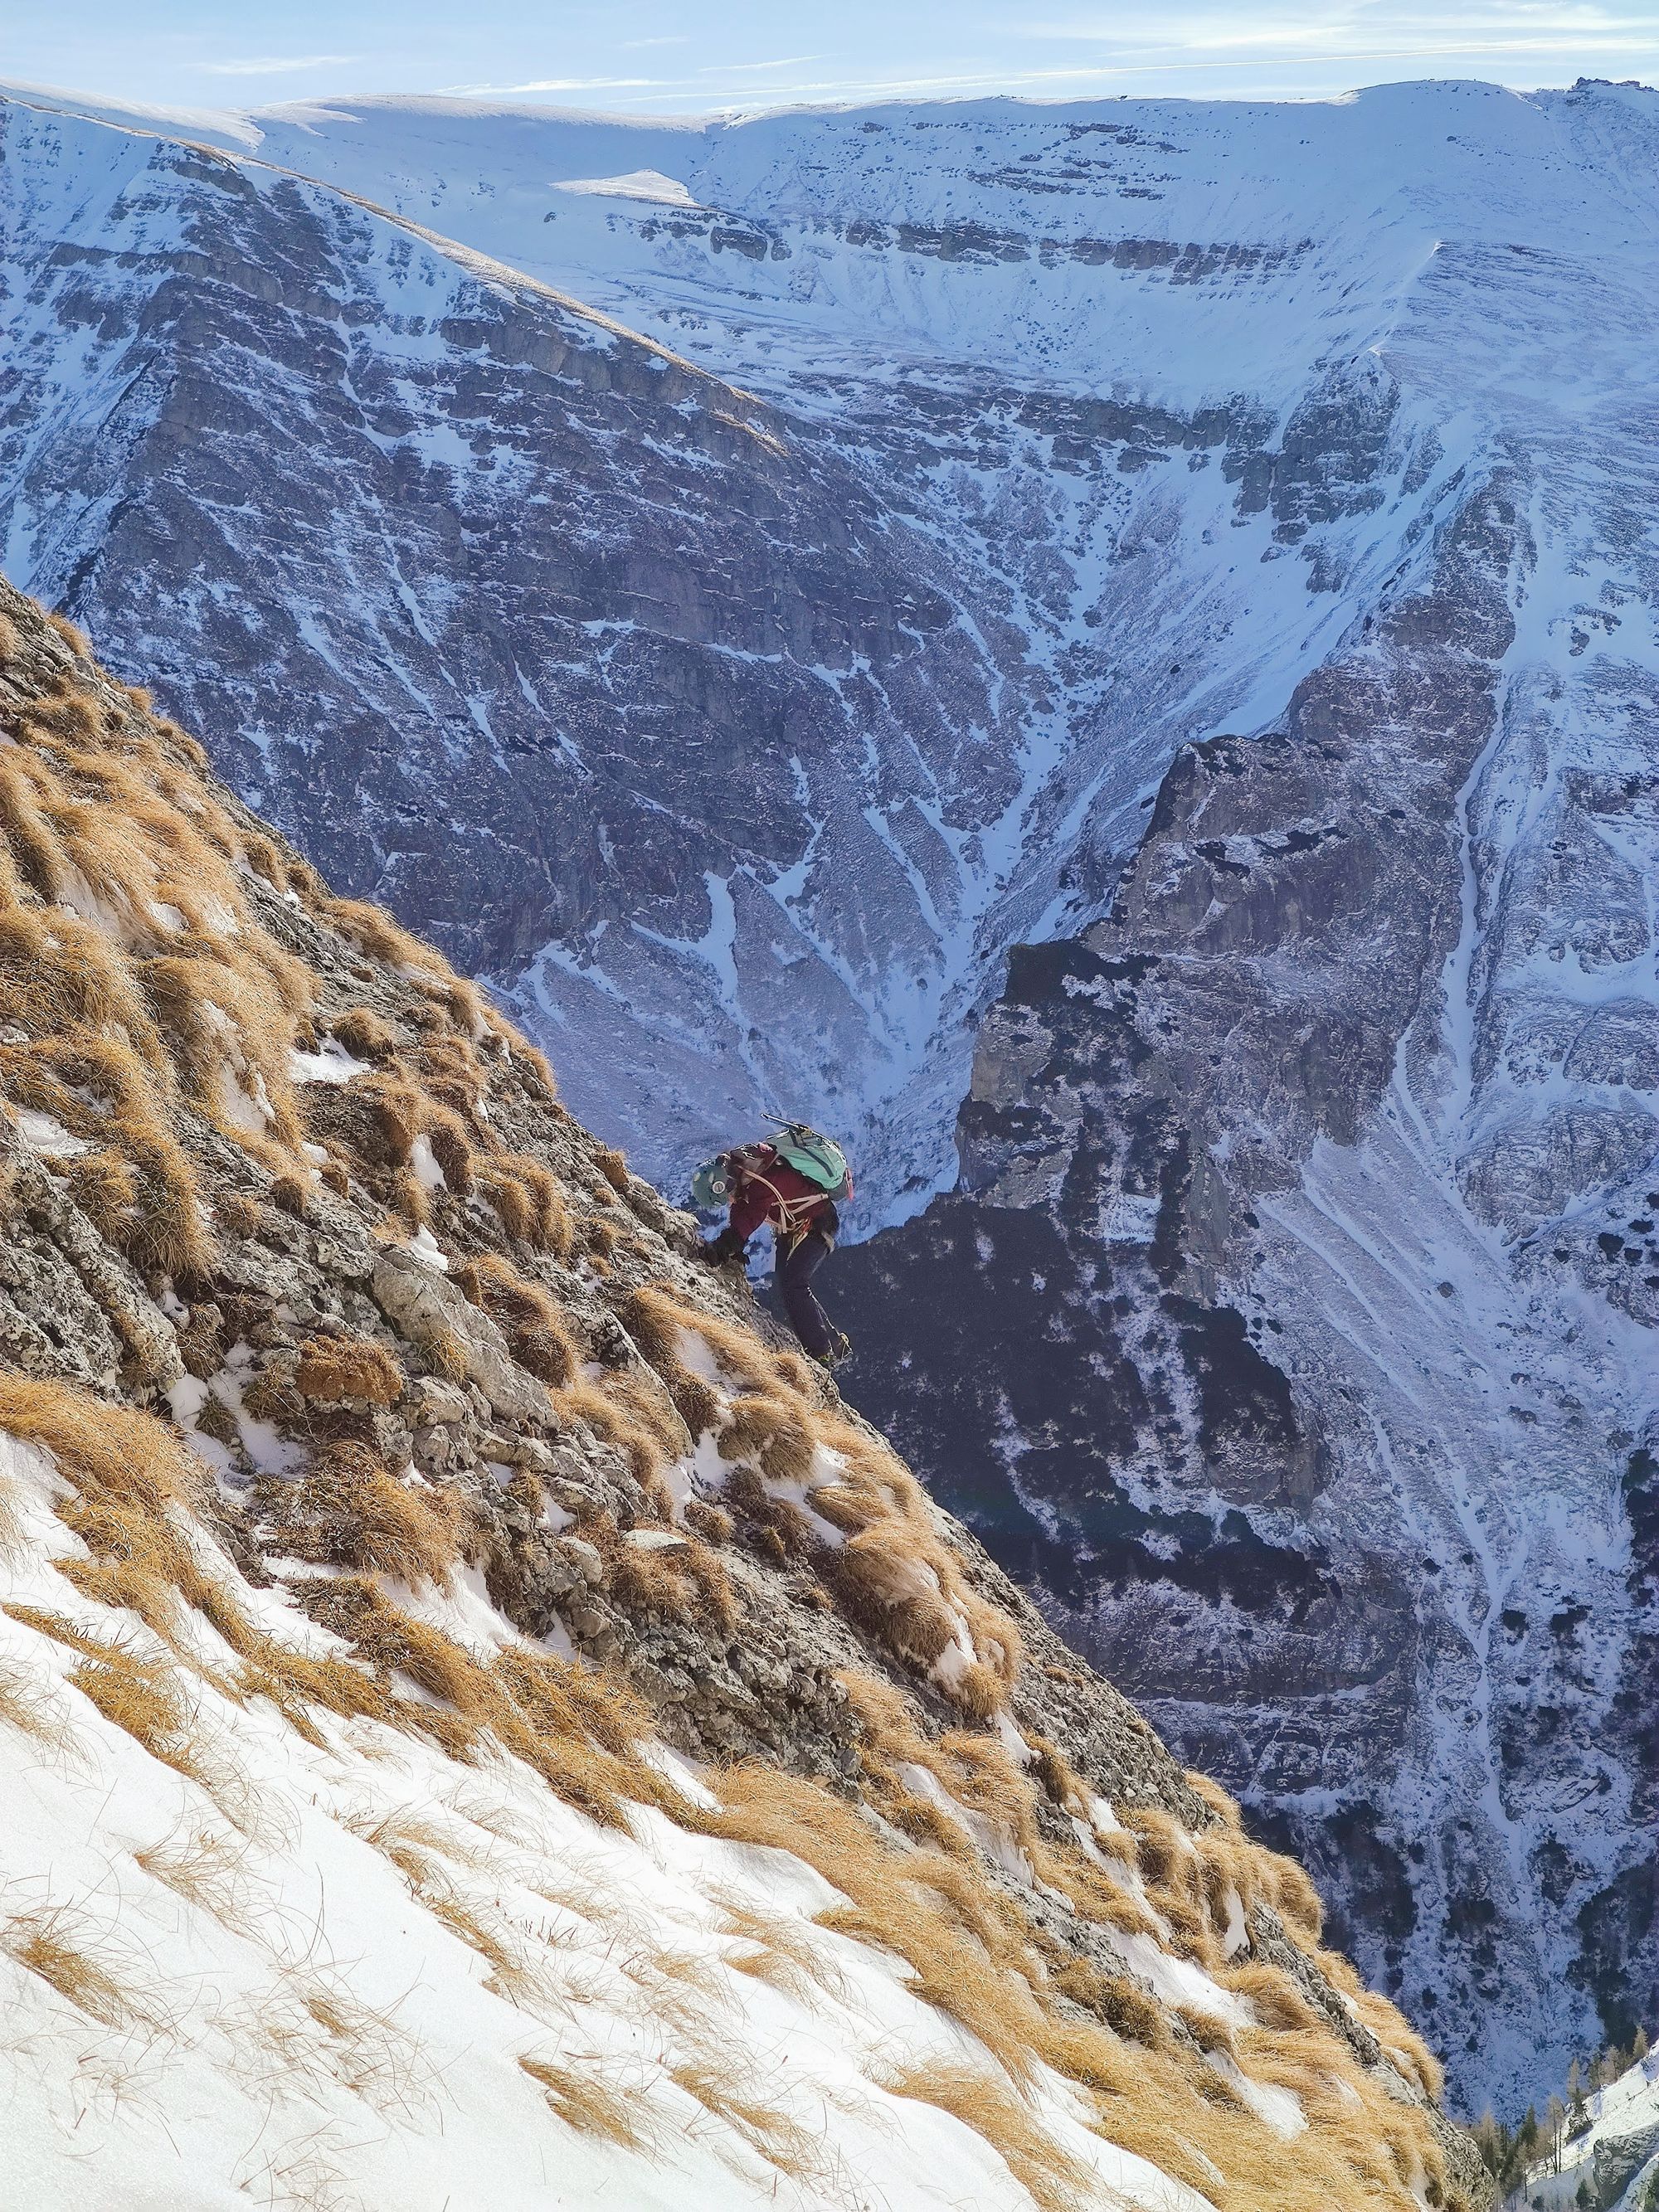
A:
(1281, 470)
(735, 743)
(367, 1428)
(1298, 1297)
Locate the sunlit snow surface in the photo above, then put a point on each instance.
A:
(1618, 2135)
(281, 2020)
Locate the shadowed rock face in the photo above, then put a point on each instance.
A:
(734, 741)
(1220, 1351)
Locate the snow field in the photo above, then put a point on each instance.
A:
(1627, 2108)
(365, 1974)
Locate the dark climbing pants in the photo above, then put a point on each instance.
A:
(797, 1264)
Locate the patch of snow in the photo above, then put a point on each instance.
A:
(427, 1250)
(636, 184)
(41, 1134)
(329, 1063)
(241, 1112)
(428, 1173)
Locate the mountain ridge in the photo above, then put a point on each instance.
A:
(1111, 431)
(397, 1510)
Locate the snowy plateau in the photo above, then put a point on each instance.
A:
(1106, 653)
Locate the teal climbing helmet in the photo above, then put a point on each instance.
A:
(712, 1185)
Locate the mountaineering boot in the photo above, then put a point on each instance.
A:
(839, 1352)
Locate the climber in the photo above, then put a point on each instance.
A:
(790, 1184)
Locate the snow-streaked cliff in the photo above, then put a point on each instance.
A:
(1147, 402)
(738, 738)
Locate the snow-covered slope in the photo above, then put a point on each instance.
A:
(352, 1970)
(1612, 2155)
(738, 738)
(480, 1720)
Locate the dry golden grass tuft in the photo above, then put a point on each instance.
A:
(1115, 2001)
(73, 636)
(352, 1510)
(365, 1033)
(779, 1951)
(586, 2101)
(1050, 2175)
(612, 1165)
(1407, 2050)
(312, 2032)
(333, 1368)
(680, 1579)
(208, 1869)
(51, 1943)
(656, 1320)
(528, 1316)
(27, 1704)
(640, 1423)
(768, 2129)
(527, 1201)
(962, 1942)
(134, 1494)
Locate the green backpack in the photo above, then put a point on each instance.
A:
(820, 1160)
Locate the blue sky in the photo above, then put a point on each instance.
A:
(639, 57)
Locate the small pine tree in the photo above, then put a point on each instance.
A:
(1526, 2135)
(1640, 2048)
(1584, 2199)
(1575, 2089)
(1555, 2121)
(1486, 2143)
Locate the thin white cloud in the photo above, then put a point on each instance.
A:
(753, 68)
(277, 64)
(1081, 80)
(578, 84)
(1361, 33)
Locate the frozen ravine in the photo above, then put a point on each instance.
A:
(1142, 395)
(1322, 1177)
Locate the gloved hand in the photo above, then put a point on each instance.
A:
(720, 1251)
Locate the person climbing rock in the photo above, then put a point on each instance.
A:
(791, 1186)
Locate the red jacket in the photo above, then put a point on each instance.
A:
(775, 1193)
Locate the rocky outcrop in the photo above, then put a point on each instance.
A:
(479, 1418)
(1245, 1382)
